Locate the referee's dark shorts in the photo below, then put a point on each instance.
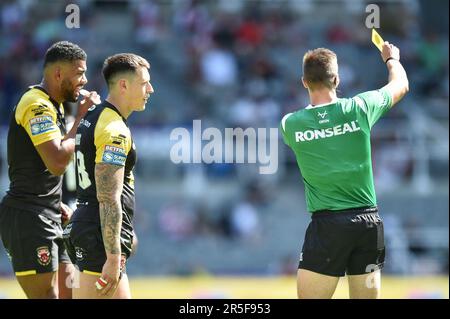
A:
(344, 242)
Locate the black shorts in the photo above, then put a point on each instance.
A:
(32, 241)
(343, 242)
(84, 243)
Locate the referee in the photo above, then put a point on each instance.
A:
(331, 142)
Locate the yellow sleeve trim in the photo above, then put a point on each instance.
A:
(25, 273)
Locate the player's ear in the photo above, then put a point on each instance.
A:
(336, 81)
(57, 73)
(123, 84)
(305, 85)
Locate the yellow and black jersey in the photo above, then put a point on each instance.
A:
(36, 119)
(103, 137)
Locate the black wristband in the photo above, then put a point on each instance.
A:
(390, 58)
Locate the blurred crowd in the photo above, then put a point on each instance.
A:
(242, 59)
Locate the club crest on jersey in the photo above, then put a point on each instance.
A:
(44, 255)
(114, 155)
(41, 124)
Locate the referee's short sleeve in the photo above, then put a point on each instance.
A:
(283, 128)
(374, 104)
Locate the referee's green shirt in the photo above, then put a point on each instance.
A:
(332, 145)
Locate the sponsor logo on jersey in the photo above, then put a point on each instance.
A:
(44, 255)
(119, 139)
(41, 124)
(322, 116)
(38, 110)
(85, 123)
(310, 135)
(114, 155)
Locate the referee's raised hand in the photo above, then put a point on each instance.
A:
(390, 52)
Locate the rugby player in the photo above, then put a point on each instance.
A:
(100, 235)
(39, 150)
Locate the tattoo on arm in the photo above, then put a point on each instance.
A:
(109, 182)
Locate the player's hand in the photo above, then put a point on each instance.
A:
(66, 213)
(89, 99)
(390, 51)
(107, 284)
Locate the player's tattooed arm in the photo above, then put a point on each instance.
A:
(109, 182)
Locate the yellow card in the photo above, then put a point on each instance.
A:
(377, 40)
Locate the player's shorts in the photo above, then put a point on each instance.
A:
(32, 241)
(84, 243)
(346, 242)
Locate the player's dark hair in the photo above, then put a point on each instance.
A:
(64, 51)
(122, 63)
(320, 68)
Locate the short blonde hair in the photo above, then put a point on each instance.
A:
(320, 68)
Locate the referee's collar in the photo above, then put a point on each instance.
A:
(320, 105)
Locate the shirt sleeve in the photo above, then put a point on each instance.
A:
(39, 121)
(283, 129)
(112, 143)
(374, 104)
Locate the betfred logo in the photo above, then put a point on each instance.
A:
(40, 119)
(41, 124)
(114, 149)
(114, 155)
(44, 255)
